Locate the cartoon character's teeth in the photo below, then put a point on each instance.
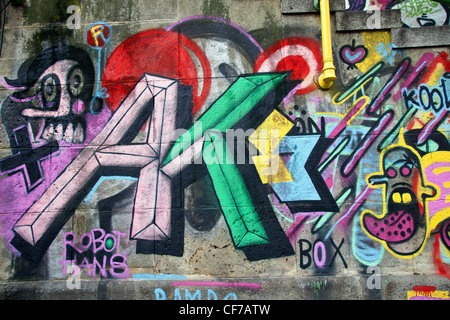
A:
(402, 197)
(58, 134)
(47, 133)
(69, 135)
(78, 136)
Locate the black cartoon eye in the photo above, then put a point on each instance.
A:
(75, 82)
(50, 87)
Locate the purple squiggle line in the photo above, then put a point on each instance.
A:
(221, 20)
(429, 127)
(7, 86)
(367, 141)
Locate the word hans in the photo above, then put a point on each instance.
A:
(95, 251)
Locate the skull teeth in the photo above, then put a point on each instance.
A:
(69, 135)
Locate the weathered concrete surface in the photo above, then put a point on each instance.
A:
(310, 288)
(317, 255)
(306, 6)
(419, 37)
(368, 20)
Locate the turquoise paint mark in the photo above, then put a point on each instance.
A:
(104, 178)
(150, 276)
(364, 250)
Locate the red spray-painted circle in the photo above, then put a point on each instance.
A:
(98, 35)
(300, 55)
(160, 52)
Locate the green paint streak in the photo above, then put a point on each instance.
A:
(279, 212)
(215, 8)
(240, 214)
(240, 98)
(235, 201)
(273, 30)
(52, 17)
(359, 81)
(326, 217)
(41, 11)
(337, 151)
(389, 139)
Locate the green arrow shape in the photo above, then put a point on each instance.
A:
(240, 98)
(240, 214)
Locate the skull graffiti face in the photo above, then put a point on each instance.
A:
(61, 105)
(403, 226)
(53, 95)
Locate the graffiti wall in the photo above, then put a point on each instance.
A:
(203, 149)
(414, 13)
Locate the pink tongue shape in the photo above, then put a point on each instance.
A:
(394, 227)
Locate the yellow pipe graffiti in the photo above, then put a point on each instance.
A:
(328, 75)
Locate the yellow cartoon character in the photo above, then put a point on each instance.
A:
(404, 224)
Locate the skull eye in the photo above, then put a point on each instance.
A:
(50, 89)
(75, 82)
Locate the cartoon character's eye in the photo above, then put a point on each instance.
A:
(50, 87)
(405, 170)
(75, 81)
(391, 172)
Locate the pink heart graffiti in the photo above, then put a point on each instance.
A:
(352, 54)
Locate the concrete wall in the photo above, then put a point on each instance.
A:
(183, 150)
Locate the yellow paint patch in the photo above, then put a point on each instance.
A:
(436, 75)
(434, 294)
(266, 139)
(438, 176)
(271, 169)
(373, 39)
